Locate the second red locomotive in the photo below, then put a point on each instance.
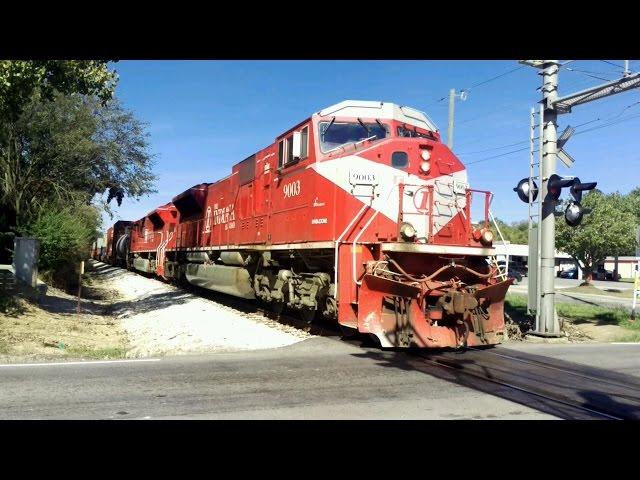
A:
(359, 213)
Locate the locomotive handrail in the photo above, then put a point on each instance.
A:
(335, 266)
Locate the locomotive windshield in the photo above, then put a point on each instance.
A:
(335, 134)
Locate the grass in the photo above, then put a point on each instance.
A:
(97, 354)
(10, 306)
(516, 307)
(591, 290)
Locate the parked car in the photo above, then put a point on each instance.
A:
(569, 273)
(602, 274)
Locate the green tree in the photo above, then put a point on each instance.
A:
(70, 149)
(66, 232)
(514, 232)
(607, 231)
(20, 80)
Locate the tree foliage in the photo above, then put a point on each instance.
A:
(514, 232)
(70, 149)
(65, 233)
(64, 141)
(609, 230)
(21, 79)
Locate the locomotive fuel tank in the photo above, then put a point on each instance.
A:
(227, 279)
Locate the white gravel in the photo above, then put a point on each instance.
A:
(162, 319)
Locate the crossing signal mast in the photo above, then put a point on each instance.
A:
(542, 234)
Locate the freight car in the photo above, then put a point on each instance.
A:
(359, 214)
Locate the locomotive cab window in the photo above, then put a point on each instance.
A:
(336, 134)
(405, 131)
(293, 148)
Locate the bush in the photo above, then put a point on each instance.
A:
(66, 235)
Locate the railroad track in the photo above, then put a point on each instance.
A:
(563, 389)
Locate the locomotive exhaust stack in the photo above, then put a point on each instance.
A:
(359, 214)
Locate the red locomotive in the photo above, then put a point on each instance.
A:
(359, 214)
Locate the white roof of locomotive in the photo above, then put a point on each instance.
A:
(371, 109)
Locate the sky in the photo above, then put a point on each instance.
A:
(205, 116)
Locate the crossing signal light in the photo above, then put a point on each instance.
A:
(577, 188)
(555, 185)
(522, 189)
(573, 214)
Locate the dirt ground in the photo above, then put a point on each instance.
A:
(124, 315)
(52, 328)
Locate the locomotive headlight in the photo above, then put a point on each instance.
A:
(425, 154)
(425, 167)
(486, 238)
(407, 231)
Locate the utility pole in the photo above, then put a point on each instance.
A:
(548, 318)
(547, 323)
(452, 102)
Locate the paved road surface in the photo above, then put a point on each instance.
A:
(320, 378)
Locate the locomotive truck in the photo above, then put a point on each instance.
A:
(359, 214)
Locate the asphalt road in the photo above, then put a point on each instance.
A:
(319, 378)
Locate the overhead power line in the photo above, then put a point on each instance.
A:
(535, 138)
(494, 78)
(608, 124)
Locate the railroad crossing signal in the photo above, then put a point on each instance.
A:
(522, 189)
(575, 211)
(562, 140)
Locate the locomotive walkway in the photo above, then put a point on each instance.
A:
(319, 378)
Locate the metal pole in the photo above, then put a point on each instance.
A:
(452, 100)
(626, 67)
(80, 272)
(548, 323)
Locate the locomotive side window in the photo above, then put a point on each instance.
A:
(413, 133)
(336, 134)
(399, 159)
(289, 150)
(280, 153)
(305, 142)
(286, 148)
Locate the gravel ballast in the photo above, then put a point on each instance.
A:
(161, 319)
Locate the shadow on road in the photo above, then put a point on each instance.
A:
(533, 381)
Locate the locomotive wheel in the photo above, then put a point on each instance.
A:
(276, 307)
(307, 315)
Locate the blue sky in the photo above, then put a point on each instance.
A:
(204, 116)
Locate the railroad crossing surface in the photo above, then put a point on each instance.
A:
(319, 378)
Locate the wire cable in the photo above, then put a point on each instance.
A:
(484, 82)
(616, 122)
